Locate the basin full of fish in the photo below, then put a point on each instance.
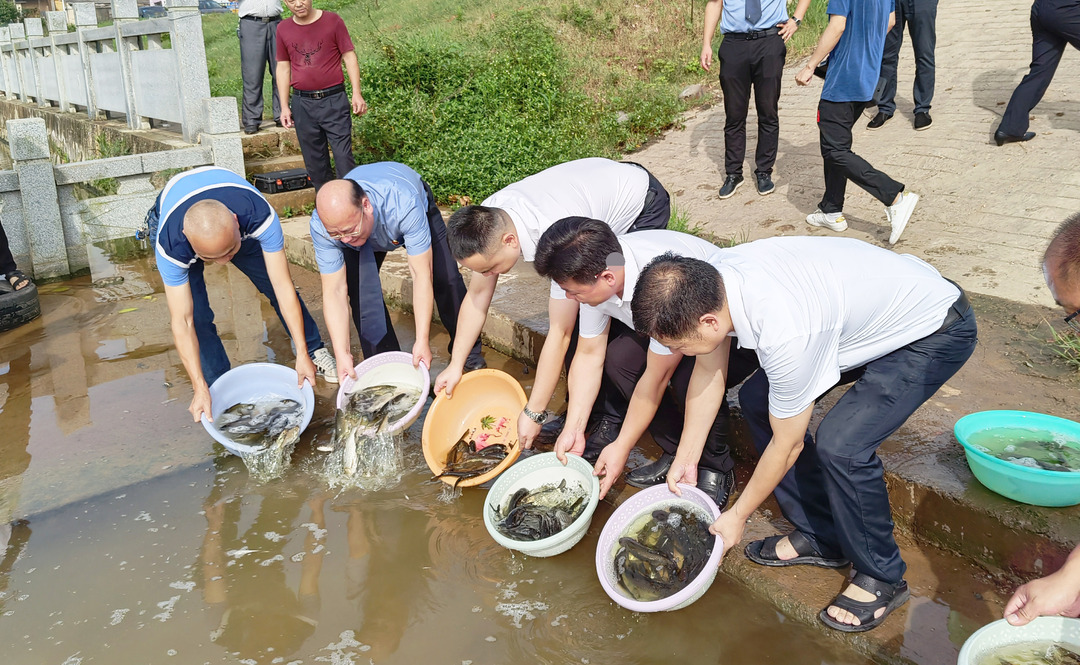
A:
(1031, 653)
(466, 459)
(662, 552)
(1038, 454)
(541, 512)
(365, 421)
(267, 424)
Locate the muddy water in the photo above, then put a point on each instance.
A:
(133, 538)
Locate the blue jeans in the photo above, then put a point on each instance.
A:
(835, 493)
(920, 17)
(249, 260)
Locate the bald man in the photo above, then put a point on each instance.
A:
(375, 209)
(212, 215)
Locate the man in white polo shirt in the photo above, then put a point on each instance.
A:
(818, 312)
(490, 238)
(598, 269)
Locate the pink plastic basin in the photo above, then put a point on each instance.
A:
(391, 367)
(624, 516)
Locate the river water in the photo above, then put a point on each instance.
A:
(131, 537)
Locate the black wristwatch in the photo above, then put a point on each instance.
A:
(798, 22)
(537, 418)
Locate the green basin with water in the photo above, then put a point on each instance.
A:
(1035, 486)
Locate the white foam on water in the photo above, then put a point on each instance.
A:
(144, 517)
(298, 557)
(448, 494)
(490, 638)
(558, 620)
(118, 616)
(171, 652)
(271, 560)
(185, 586)
(522, 610)
(73, 659)
(167, 607)
(273, 536)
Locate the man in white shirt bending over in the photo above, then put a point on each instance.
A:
(818, 312)
(490, 238)
(599, 270)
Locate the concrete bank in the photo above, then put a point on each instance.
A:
(966, 547)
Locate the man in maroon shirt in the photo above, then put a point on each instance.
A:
(310, 49)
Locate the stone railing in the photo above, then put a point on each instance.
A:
(127, 68)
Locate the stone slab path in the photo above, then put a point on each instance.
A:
(986, 212)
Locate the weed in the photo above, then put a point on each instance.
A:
(287, 212)
(109, 147)
(680, 221)
(309, 208)
(1066, 346)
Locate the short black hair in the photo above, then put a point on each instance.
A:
(1062, 255)
(576, 248)
(358, 193)
(473, 230)
(672, 293)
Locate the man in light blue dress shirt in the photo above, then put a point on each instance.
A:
(752, 54)
(376, 209)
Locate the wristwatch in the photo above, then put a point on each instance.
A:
(537, 418)
(798, 22)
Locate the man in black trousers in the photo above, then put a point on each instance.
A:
(1054, 23)
(752, 53)
(920, 16)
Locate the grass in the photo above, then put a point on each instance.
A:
(680, 221)
(1066, 346)
(475, 94)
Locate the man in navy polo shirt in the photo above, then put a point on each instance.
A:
(375, 209)
(212, 215)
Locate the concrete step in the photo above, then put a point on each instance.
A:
(278, 163)
(271, 141)
(292, 204)
(965, 546)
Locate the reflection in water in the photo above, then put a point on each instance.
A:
(150, 545)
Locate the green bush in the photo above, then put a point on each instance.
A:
(9, 13)
(474, 117)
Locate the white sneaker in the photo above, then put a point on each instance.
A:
(898, 214)
(325, 363)
(834, 221)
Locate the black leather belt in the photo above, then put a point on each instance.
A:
(261, 19)
(756, 34)
(959, 308)
(319, 94)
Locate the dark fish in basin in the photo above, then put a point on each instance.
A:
(661, 557)
(262, 425)
(541, 512)
(464, 460)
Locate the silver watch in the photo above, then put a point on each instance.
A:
(537, 418)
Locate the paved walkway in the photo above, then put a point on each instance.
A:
(986, 212)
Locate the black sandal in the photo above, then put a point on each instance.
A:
(18, 280)
(889, 596)
(763, 552)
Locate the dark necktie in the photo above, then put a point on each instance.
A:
(753, 12)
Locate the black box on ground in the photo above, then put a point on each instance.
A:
(282, 181)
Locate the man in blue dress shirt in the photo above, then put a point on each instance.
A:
(213, 215)
(752, 53)
(375, 209)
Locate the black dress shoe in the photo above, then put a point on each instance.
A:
(598, 434)
(651, 474)
(717, 485)
(475, 362)
(253, 129)
(550, 430)
(1002, 138)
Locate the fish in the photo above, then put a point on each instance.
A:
(541, 512)
(368, 412)
(464, 460)
(261, 425)
(664, 555)
(1038, 454)
(1031, 653)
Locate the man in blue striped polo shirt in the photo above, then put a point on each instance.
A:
(213, 215)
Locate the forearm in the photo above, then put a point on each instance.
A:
(713, 10)
(352, 68)
(284, 81)
(471, 318)
(770, 470)
(423, 301)
(827, 43)
(801, 9)
(704, 397)
(549, 369)
(644, 403)
(336, 314)
(583, 385)
(288, 300)
(187, 345)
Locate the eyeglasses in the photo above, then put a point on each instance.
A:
(343, 236)
(1073, 322)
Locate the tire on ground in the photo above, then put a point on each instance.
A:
(18, 307)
